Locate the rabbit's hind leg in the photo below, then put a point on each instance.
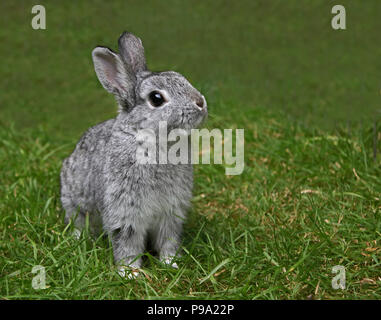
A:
(76, 217)
(79, 219)
(73, 215)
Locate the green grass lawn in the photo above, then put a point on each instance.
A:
(308, 199)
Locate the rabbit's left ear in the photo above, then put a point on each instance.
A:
(131, 51)
(113, 75)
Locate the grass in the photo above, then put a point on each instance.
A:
(308, 199)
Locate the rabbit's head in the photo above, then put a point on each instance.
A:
(147, 97)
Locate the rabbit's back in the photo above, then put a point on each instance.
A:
(81, 171)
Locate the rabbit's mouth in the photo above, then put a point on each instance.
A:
(192, 119)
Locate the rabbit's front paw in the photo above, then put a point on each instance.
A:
(76, 233)
(168, 260)
(127, 272)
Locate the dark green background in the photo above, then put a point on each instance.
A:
(247, 55)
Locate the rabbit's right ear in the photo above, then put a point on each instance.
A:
(132, 52)
(113, 75)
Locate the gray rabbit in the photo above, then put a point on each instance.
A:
(131, 201)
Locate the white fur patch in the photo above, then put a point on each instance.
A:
(128, 272)
(76, 233)
(168, 261)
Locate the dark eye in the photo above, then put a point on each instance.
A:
(156, 98)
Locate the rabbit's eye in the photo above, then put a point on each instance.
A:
(156, 98)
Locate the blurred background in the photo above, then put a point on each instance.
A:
(245, 56)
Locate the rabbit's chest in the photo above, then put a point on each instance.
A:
(167, 188)
(144, 194)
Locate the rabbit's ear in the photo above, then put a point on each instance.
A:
(113, 75)
(132, 52)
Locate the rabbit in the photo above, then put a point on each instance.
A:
(133, 202)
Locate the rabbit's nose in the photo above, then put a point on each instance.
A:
(200, 102)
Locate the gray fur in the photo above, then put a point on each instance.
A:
(132, 201)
